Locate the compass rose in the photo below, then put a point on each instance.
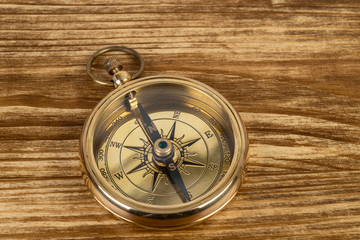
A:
(181, 147)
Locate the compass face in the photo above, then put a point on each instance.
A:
(201, 154)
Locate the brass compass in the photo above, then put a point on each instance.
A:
(161, 151)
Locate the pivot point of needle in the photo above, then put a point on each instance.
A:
(163, 144)
(162, 148)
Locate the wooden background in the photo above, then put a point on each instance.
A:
(291, 68)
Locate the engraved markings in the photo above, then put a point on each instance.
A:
(119, 175)
(172, 167)
(190, 195)
(209, 134)
(103, 173)
(223, 138)
(150, 199)
(195, 109)
(115, 144)
(101, 155)
(151, 128)
(117, 121)
(176, 114)
(212, 121)
(213, 166)
(227, 157)
(222, 175)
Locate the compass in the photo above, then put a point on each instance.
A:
(163, 151)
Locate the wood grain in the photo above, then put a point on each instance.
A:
(291, 68)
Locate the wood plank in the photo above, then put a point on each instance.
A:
(291, 69)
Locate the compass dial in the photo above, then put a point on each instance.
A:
(201, 154)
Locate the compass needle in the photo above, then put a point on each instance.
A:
(143, 118)
(176, 179)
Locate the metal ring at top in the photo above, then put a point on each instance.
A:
(112, 49)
